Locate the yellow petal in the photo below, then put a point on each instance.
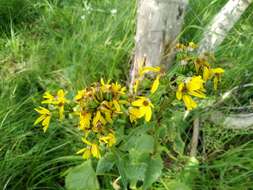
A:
(179, 92)
(86, 141)
(45, 123)
(112, 139)
(95, 151)
(195, 83)
(39, 119)
(81, 151)
(138, 102)
(96, 118)
(148, 114)
(87, 154)
(49, 98)
(61, 113)
(206, 73)
(142, 111)
(149, 69)
(42, 110)
(102, 81)
(80, 95)
(189, 102)
(134, 114)
(108, 117)
(85, 120)
(48, 102)
(60, 94)
(116, 105)
(218, 70)
(192, 45)
(47, 95)
(198, 94)
(215, 83)
(155, 85)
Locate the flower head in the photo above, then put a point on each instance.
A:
(200, 64)
(59, 100)
(191, 87)
(144, 108)
(109, 139)
(217, 72)
(92, 149)
(117, 89)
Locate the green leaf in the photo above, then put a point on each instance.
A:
(82, 177)
(178, 145)
(142, 143)
(135, 171)
(106, 163)
(153, 171)
(177, 185)
(120, 163)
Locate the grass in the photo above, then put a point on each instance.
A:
(69, 44)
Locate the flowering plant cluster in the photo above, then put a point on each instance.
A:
(200, 70)
(97, 107)
(119, 126)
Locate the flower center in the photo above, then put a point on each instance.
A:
(145, 103)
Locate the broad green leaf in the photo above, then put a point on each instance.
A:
(82, 177)
(142, 143)
(120, 163)
(153, 171)
(106, 163)
(136, 171)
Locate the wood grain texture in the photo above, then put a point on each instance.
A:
(158, 24)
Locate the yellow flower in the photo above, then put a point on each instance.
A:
(58, 100)
(44, 118)
(145, 106)
(180, 46)
(189, 102)
(85, 118)
(195, 87)
(91, 149)
(116, 105)
(109, 139)
(80, 95)
(98, 119)
(192, 45)
(49, 98)
(117, 89)
(207, 73)
(155, 84)
(217, 72)
(87, 93)
(107, 109)
(108, 116)
(191, 87)
(86, 152)
(134, 114)
(105, 87)
(200, 63)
